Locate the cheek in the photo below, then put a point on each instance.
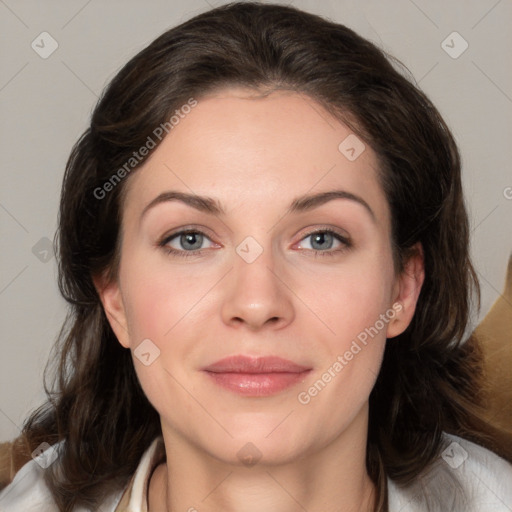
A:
(157, 300)
(354, 307)
(350, 300)
(159, 307)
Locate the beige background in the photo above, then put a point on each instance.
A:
(45, 105)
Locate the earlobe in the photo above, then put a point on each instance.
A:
(112, 301)
(407, 291)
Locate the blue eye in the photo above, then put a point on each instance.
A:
(322, 240)
(191, 241)
(325, 242)
(185, 243)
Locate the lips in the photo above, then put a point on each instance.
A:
(256, 376)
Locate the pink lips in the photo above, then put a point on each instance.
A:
(256, 376)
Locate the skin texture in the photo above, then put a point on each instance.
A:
(255, 155)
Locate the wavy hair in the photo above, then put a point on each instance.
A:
(431, 376)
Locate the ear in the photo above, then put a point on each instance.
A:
(406, 291)
(112, 301)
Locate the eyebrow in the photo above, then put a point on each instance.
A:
(308, 202)
(201, 203)
(300, 204)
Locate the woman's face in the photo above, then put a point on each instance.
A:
(265, 322)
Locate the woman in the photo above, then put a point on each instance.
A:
(264, 245)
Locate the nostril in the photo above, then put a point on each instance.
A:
(272, 321)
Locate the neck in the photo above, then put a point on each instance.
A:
(333, 478)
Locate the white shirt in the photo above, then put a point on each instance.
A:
(485, 480)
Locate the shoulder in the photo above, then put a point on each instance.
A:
(22, 482)
(465, 478)
(23, 488)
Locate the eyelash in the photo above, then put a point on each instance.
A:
(347, 244)
(181, 254)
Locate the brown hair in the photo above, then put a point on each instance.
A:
(430, 380)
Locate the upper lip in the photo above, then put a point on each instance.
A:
(248, 364)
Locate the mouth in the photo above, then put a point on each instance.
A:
(256, 376)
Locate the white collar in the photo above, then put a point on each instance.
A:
(480, 482)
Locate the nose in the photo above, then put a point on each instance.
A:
(256, 296)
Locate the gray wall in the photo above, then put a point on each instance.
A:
(45, 104)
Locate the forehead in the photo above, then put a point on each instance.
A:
(242, 147)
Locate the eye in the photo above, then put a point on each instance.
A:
(191, 241)
(325, 241)
(186, 243)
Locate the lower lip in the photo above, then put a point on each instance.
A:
(257, 384)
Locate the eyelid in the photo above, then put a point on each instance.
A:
(164, 242)
(340, 233)
(192, 228)
(345, 244)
